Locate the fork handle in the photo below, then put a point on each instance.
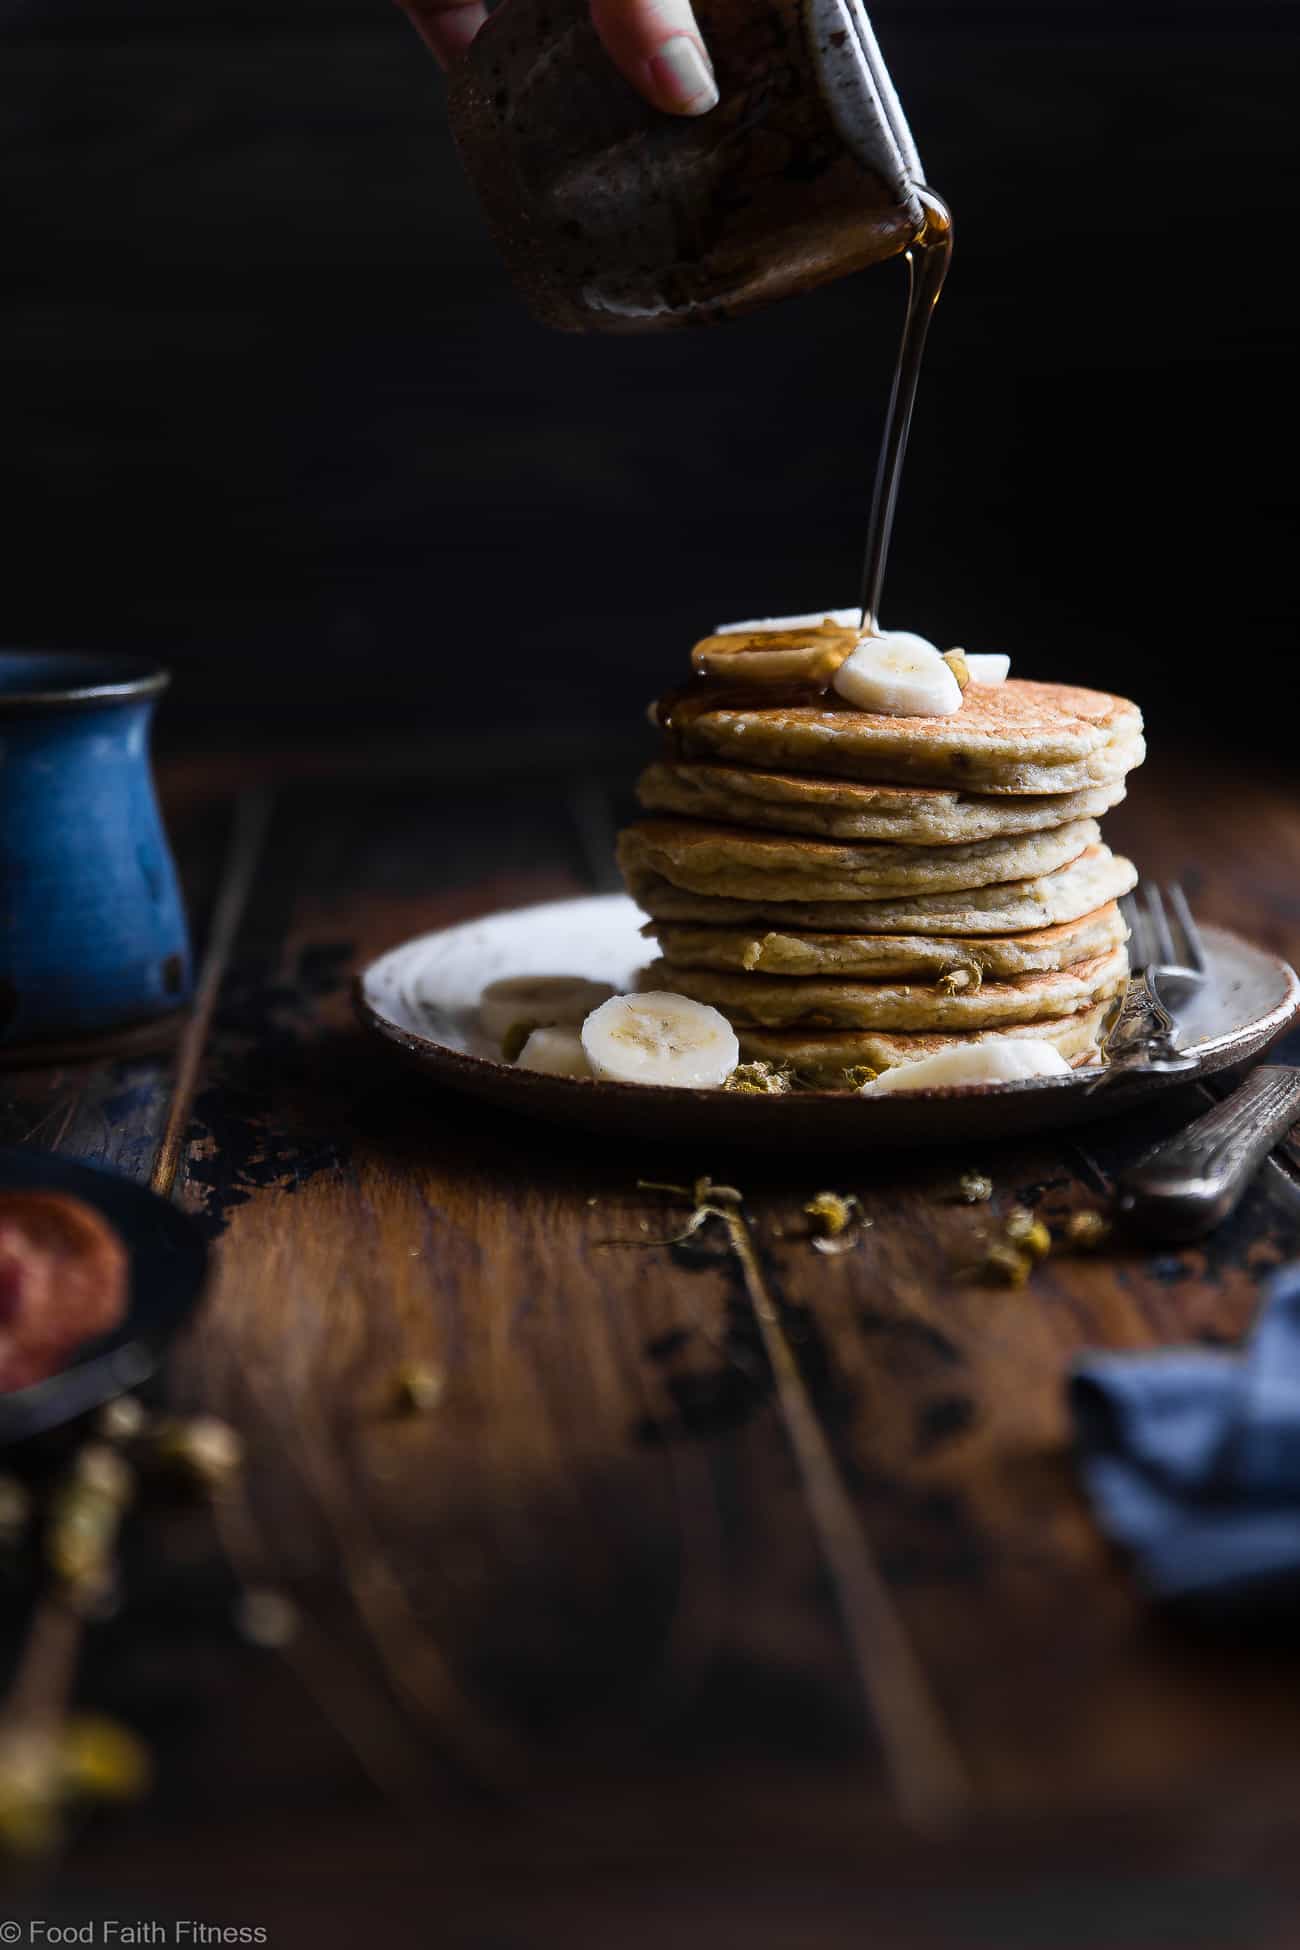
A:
(1190, 1183)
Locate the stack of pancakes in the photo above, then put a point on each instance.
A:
(859, 890)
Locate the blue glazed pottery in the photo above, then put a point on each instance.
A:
(92, 931)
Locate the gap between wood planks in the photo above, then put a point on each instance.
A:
(252, 816)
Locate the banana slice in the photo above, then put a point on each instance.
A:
(556, 1053)
(848, 619)
(1009, 1061)
(987, 666)
(899, 674)
(537, 999)
(660, 1038)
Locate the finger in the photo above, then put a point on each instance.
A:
(656, 45)
(447, 25)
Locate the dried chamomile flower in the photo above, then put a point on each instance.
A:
(45, 1768)
(85, 1513)
(1085, 1231)
(1028, 1233)
(101, 1472)
(417, 1388)
(974, 1188)
(1005, 1265)
(102, 1760)
(957, 664)
(858, 1075)
(833, 1213)
(122, 1420)
(204, 1450)
(837, 1220)
(967, 978)
(758, 1080)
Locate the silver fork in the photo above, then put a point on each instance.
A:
(1166, 942)
(1192, 1181)
(1168, 963)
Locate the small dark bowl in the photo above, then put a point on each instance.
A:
(168, 1264)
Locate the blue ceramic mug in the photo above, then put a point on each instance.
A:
(92, 931)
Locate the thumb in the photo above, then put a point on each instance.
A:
(656, 45)
(447, 25)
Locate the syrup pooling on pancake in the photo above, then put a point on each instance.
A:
(766, 668)
(806, 656)
(808, 662)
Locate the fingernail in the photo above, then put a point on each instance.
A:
(682, 78)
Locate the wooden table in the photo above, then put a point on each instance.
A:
(704, 1606)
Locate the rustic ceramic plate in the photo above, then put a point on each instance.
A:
(423, 996)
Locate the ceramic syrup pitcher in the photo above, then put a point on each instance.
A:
(92, 931)
(612, 216)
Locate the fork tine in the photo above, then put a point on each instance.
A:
(1166, 953)
(1194, 952)
(1133, 908)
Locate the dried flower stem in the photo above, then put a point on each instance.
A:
(927, 1771)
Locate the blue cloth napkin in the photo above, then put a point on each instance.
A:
(1192, 1458)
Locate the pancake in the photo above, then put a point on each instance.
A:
(823, 1056)
(889, 957)
(841, 809)
(739, 864)
(1096, 877)
(778, 1002)
(1019, 738)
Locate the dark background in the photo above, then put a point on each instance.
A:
(276, 416)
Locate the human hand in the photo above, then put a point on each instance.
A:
(654, 44)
